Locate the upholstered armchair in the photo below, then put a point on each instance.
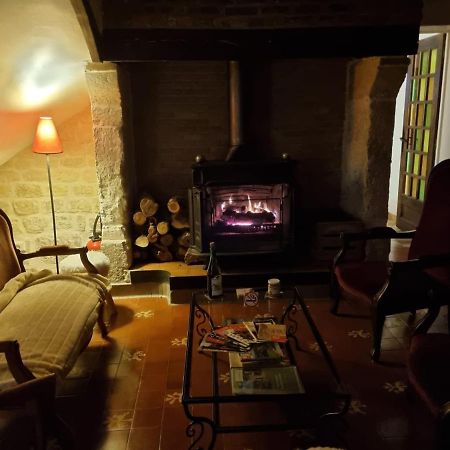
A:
(393, 287)
(27, 415)
(428, 371)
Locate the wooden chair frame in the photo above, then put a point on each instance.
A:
(389, 300)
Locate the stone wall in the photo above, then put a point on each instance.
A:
(108, 88)
(372, 88)
(24, 192)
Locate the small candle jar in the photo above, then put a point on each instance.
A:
(273, 287)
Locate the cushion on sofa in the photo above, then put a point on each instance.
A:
(52, 318)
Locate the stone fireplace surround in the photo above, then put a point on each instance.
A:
(334, 116)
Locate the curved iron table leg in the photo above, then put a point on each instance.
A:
(196, 429)
(292, 326)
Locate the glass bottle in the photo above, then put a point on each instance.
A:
(213, 274)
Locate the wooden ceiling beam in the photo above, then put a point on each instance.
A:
(225, 44)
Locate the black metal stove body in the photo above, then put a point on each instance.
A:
(244, 207)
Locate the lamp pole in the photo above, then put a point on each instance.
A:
(53, 208)
(47, 142)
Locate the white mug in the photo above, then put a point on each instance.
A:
(273, 287)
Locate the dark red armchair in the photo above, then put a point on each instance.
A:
(394, 287)
(429, 375)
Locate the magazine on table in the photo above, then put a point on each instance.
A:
(215, 343)
(265, 353)
(266, 380)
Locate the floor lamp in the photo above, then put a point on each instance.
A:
(47, 142)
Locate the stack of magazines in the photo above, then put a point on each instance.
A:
(258, 363)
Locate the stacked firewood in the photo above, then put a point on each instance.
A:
(161, 233)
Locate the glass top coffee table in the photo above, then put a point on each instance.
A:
(207, 395)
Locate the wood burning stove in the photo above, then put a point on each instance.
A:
(245, 207)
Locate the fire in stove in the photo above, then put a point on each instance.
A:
(246, 211)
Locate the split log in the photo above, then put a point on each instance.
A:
(162, 227)
(152, 231)
(180, 253)
(185, 239)
(173, 205)
(179, 222)
(162, 253)
(166, 240)
(140, 254)
(139, 218)
(148, 206)
(152, 238)
(141, 241)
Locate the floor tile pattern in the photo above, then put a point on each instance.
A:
(125, 391)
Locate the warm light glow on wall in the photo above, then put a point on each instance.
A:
(41, 75)
(46, 139)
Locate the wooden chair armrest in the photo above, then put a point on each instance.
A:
(376, 233)
(399, 272)
(41, 389)
(372, 233)
(421, 263)
(59, 250)
(14, 360)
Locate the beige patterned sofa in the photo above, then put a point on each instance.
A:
(46, 319)
(50, 318)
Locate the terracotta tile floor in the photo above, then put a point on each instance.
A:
(124, 392)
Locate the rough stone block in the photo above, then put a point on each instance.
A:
(5, 190)
(72, 162)
(71, 222)
(85, 190)
(30, 190)
(119, 255)
(36, 224)
(26, 207)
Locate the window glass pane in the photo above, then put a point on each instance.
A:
(412, 114)
(408, 162)
(430, 88)
(421, 190)
(420, 115)
(422, 89)
(426, 140)
(414, 90)
(418, 140)
(407, 185)
(416, 61)
(428, 110)
(416, 164)
(425, 62)
(423, 170)
(415, 185)
(433, 60)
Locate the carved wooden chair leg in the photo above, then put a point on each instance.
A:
(448, 317)
(101, 322)
(62, 432)
(378, 325)
(443, 427)
(335, 295)
(110, 307)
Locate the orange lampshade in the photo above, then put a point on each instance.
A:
(46, 139)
